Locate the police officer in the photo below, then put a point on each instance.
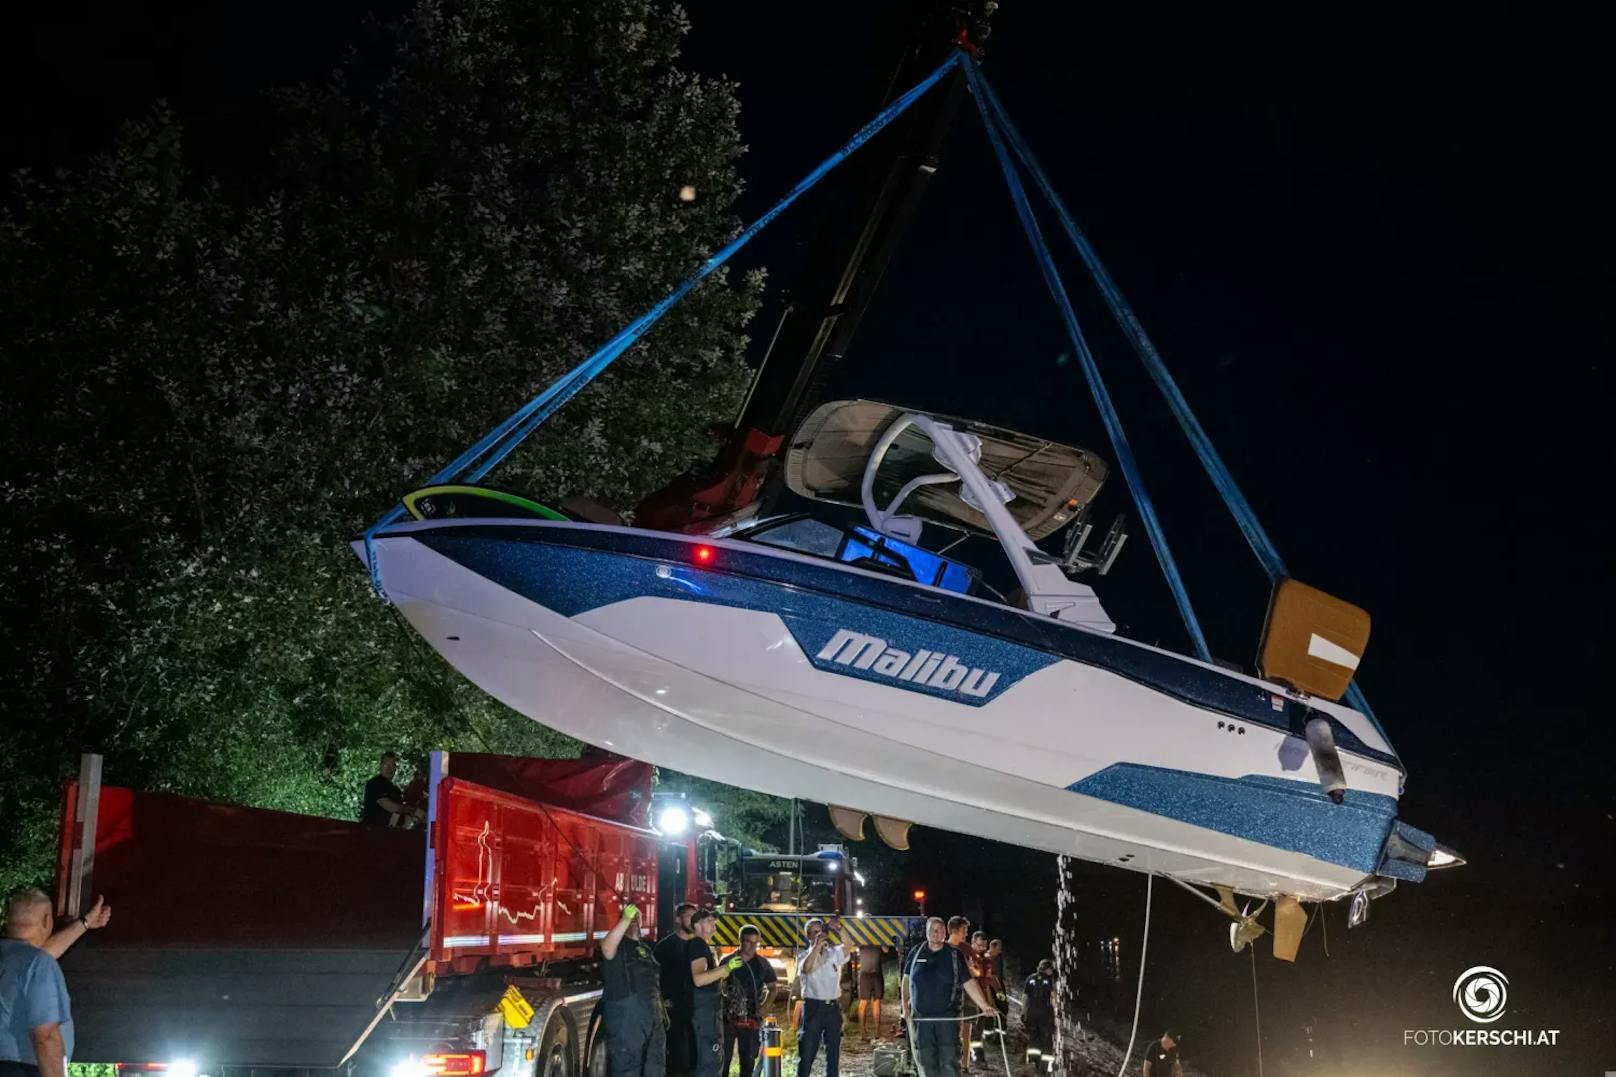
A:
(1038, 1015)
(631, 998)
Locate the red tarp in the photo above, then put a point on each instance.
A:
(598, 783)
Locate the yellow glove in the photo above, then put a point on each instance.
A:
(735, 964)
(630, 911)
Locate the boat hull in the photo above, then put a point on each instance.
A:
(792, 681)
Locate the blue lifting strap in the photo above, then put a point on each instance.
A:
(1091, 371)
(497, 443)
(1244, 516)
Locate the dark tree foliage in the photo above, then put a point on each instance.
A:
(209, 383)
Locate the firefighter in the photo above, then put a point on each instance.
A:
(1038, 1016)
(936, 980)
(631, 1001)
(978, 1030)
(707, 972)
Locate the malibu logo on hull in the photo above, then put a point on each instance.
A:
(933, 669)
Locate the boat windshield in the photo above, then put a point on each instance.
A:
(863, 547)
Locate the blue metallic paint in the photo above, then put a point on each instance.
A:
(1284, 814)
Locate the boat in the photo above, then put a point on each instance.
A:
(841, 654)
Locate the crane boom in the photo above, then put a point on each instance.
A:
(866, 212)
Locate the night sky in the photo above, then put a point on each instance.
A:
(1376, 252)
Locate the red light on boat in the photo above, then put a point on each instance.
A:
(458, 1064)
(704, 555)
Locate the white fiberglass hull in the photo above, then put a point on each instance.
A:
(1070, 757)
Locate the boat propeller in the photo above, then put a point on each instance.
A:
(1290, 920)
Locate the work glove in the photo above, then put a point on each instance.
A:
(630, 911)
(735, 964)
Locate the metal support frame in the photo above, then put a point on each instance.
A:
(86, 812)
(1049, 590)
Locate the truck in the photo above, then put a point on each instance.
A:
(248, 938)
(778, 893)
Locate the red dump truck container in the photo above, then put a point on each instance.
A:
(251, 938)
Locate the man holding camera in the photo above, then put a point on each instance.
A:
(819, 969)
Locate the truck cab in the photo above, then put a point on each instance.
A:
(819, 883)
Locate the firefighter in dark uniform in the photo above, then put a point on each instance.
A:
(1038, 1015)
(707, 972)
(631, 1001)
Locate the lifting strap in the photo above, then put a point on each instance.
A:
(475, 463)
(1233, 498)
(1091, 372)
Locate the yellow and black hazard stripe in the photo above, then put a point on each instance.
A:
(785, 929)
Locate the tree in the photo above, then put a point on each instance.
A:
(209, 383)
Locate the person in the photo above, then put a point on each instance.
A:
(996, 956)
(819, 970)
(959, 937)
(706, 973)
(746, 996)
(383, 804)
(1161, 1057)
(676, 989)
(1038, 1015)
(64, 937)
(935, 979)
(631, 1001)
(36, 1012)
(977, 1030)
(872, 986)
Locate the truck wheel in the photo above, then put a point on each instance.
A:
(596, 1064)
(558, 1055)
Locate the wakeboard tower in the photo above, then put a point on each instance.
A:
(849, 659)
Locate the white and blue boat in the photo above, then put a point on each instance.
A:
(849, 664)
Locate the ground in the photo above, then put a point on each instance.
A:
(1094, 1055)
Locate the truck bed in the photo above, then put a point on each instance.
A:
(246, 937)
(239, 935)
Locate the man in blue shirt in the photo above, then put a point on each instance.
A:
(36, 1017)
(935, 980)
